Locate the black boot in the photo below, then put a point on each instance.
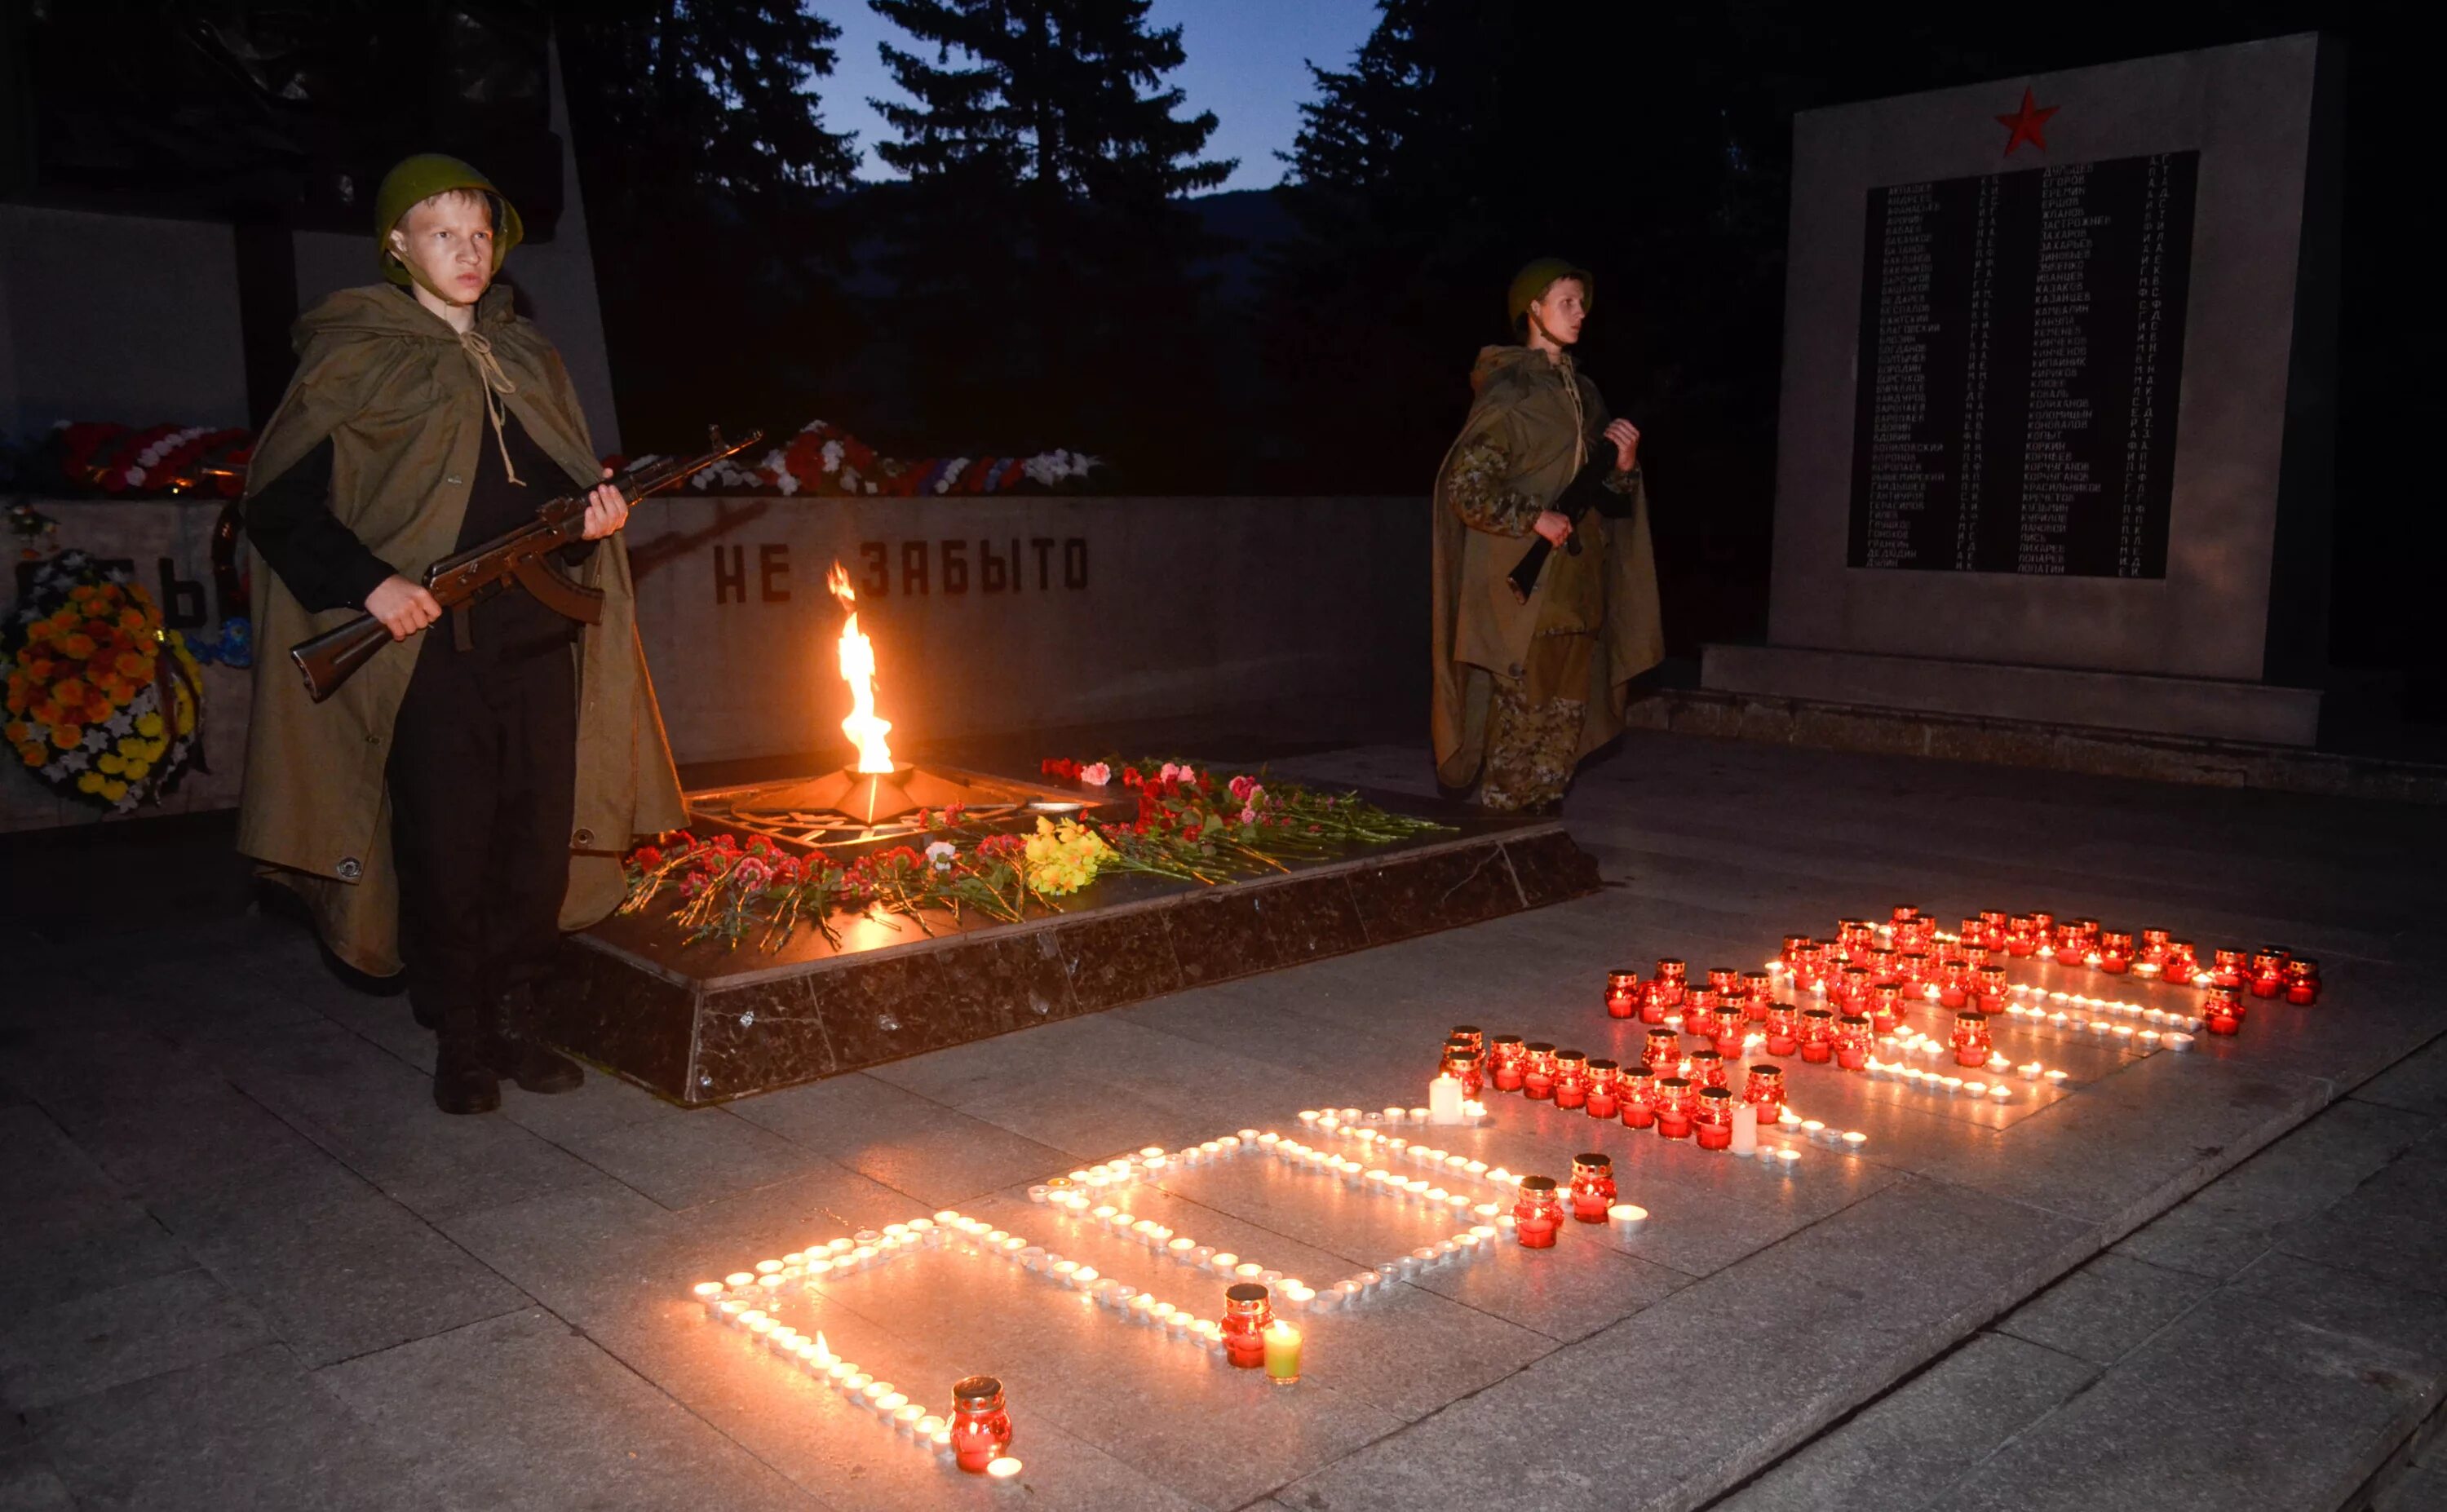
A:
(462, 1078)
(517, 1056)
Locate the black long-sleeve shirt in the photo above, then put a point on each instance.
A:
(325, 566)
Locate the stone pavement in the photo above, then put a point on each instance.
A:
(248, 1265)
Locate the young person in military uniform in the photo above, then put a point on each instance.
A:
(1524, 691)
(469, 793)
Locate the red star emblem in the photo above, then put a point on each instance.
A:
(2027, 124)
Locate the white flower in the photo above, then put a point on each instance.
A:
(787, 482)
(832, 455)
(938, 855)
(136, 477)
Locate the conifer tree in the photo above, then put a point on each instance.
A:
(1041, 261)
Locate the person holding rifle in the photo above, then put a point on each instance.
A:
(1527, 685)
(469, 794)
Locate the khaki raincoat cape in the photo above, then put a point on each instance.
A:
(389, 384)
(1478, 629)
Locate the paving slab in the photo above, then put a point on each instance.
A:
(2235, 1220)
(1911, 1445)
(2285, 1390)
(71, 1232)
(937, 1155)
(523, 1411)
(2417, 1084)
(2392, 1227)
(2107, 1308)
(705, 1153)
(128, 1332)
(247, 1431)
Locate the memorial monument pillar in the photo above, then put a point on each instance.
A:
(2056, 441)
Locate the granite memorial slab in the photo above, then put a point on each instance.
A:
(2057, 427)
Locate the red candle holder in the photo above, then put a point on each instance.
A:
(1953, 985)
(1638, 1098)
(1853, 1037)
(2154, 947)
(1705, 1066)
(1713, 1120)
(1783, 1030)
(2269, 970)
(1903, 914)
(1592, 1187)
(1817, 1036)
(1623, 991)
(1763, 1088)
(1887, 1008)
(980, 1426)
(1673, 980)
(1662, 1055)
(1852, 990)
(2021, 939)
(2228, 969)
(2303, 981)
(2222, 1010)
(1503, 1063)
(2182, 964)
(1676, 1100)
(1809, 968)
(1471, 1035)
(1914, 971)
(1794, 947)
(1725, 1028)
(2114, 952)
(1759, 990)
(1538, 1213)
(1724, 981)
(1651, 1002)
(1461, 1063)
(1572, 1079)
(1247, 1311)
(1992, 928)
(1537, 1070)
(1605, 1094)
(1992, 989)
(1970, 1038)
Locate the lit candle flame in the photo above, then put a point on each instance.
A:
(864, 729)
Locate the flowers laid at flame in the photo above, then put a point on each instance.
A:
(1096, 774)
(1063, 857)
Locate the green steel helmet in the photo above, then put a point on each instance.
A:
(419, 179)
(1531, 283)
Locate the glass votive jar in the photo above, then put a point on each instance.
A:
(1725, 1028)
(2269, 970)
(1853, 1039)
(1970, 1038)
(1794, 945)
(2222, 1010)
(1572, 1079)
(2114, 952)
(1604, 1099)
(1537, 1213)
(1537, 1070)
(1624, 993)
(1759, 990)
(1817, 1036)
(1662, 1055)
(1461, 1063)
(2301, 981)
(1247, 1310)
(1676, 1100)
(1763, 1088)
(1992, 989)
(1637, 1097)
(1992, 927)
(2019, 937)
(1783, 1033)
(1705, 1066)
(1504, 1054)
(1592, 1186)
(980, 1426)
(1713, 1121)
(2228, 969)
(1469, 1035)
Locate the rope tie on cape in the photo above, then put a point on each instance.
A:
(495, 382)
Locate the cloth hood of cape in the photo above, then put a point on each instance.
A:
(396, 392)
(1526, 404)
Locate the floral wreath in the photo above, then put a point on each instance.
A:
(105, 702)
(825, 460)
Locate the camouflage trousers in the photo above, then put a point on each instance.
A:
(1530, 749)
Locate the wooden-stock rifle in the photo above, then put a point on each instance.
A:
(468, 576)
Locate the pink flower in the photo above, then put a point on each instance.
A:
(1249, 815)
(1242, 786)
(752, 872)
(1171, 771)
(1097, 775)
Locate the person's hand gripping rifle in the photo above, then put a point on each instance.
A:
(1587, 491)
(522, 557)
